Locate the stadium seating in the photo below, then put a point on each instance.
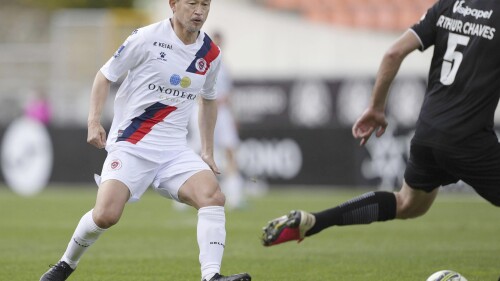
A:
(381, 15)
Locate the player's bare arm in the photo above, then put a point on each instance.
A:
(100, 90)
(206, 120)
(373, 119)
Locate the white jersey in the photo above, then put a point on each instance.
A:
(154, 103)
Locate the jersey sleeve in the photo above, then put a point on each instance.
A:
(426, 28)
(208, 90)
(130, 54)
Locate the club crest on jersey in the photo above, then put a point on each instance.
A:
(207, 53)
(115, 164)
(201, 65)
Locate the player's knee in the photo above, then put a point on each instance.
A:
(217, 198)
(204, 197)
(105, 218)
(410, 212)
(409, 209)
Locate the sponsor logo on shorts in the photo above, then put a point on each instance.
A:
(115, 164)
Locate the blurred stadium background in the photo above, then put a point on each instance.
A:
(303, 72)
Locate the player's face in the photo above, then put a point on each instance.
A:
(191, 14)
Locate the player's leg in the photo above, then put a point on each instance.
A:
(370, 207)
(413, 203)
(364, 209)
(187, 178)
(111, 198)
(422, 172)
(202, 191)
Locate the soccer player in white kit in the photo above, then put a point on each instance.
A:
(169, 64)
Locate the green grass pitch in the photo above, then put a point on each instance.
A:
(153, 242)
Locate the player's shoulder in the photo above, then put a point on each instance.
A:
(455, 3)
(207, 38)
(447, 2)
(209, 46)
(464, 6)
(445, 5)
(150, 29)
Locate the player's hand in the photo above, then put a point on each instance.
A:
(96, 135)
(370, 121)
(209, 159)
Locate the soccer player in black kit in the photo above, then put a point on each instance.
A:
(454, 138)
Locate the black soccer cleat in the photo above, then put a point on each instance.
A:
(235, 277)
(58, 272)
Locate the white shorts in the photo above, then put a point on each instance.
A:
(139, 168)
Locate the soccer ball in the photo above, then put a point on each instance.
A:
(446, 275)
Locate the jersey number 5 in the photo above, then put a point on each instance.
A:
(452, 58)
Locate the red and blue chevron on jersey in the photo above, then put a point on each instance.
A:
(143, 124)
(204, 57)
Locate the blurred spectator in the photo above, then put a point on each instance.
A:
(226, 138)
(38, 108)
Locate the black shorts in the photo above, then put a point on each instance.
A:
(429, 168)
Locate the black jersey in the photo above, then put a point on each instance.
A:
(464, 77)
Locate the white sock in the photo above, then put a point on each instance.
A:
(86, 233)
(211, 234)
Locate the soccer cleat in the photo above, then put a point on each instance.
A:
(235, 277)
(58, 272)
(287, 228)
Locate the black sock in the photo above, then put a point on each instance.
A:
(365, 209)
